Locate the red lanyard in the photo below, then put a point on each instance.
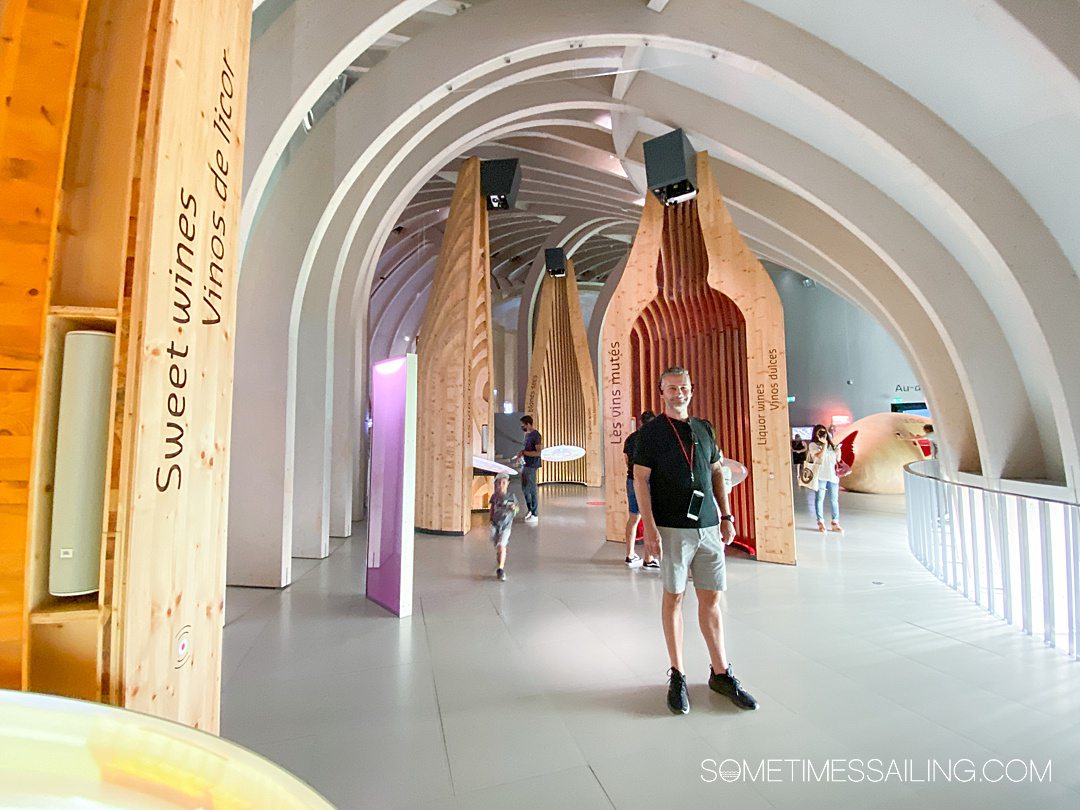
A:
(689, 457)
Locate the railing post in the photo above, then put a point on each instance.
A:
(1004, 554)
(939, 530)
(1049, 633)
(961, 526)
(975, 574)
(988, 547)
(1025, 563)
(1072, 545)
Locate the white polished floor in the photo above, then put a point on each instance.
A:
(548, 690)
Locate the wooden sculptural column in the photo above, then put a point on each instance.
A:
(455, 408)
(693, 295)
(122, 146)
(561, 392)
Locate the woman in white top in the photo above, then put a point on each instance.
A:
(824, 454)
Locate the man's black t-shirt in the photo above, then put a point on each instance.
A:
(533, 439)
(669, 481)
(628, 449)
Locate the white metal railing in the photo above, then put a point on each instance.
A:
(1015, 555)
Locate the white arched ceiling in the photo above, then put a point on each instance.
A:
(951, 243)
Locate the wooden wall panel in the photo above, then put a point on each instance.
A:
(693, 295)
(170, 564)
(454, 401)
(96, 256)
(482, 375)
(561, 394)
(736, 272)
(620, 395)
(39, 50)
(146, 135)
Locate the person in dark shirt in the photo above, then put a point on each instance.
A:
(634, 518)
(798, 452)
(534, 443)
(679, 481)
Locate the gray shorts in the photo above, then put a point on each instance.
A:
(698, 550)
(500, 537)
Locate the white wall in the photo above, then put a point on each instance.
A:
(830, 342)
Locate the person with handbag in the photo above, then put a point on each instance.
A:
(823, 456)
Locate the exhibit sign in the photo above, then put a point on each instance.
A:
(180, 372)
(393, 484)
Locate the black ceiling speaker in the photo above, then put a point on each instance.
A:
(499, 181)
(671, 167)
(555, 261)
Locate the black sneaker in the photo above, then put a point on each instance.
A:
(652, 565)
(729, 686)
(678, 699)
(500, 574)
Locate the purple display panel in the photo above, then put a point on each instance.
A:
(393, 484)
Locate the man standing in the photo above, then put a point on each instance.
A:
(531, 453)
(678, 478)
(634, 518)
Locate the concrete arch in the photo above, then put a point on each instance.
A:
(259, 439)
(766, 38)
(1018, 447)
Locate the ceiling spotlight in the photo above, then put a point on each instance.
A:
(808, 283)
(555, 261)
(671, 167)
(499, 182)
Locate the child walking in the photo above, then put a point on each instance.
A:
(504, 507)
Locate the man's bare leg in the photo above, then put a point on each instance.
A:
(673, 628)
(711, 622)
(631, 533)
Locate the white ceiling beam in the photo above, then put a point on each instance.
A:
(631, 61)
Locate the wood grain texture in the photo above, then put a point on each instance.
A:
(693, 295)
(736, 273)
(82, 671)
(561, 394)
(146, 247)
(169, 582)
(455, 367)
(39, 51)
(91, 290)
(620, 372)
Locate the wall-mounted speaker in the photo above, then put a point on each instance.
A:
(555, 261)
(82, 442)
(671, 167)
(499, 181)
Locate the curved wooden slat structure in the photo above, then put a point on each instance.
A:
(455, 408)
(693, 295)
(141, 241)
(39, 53)
(561, 393)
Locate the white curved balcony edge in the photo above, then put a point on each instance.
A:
(1015, 554)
